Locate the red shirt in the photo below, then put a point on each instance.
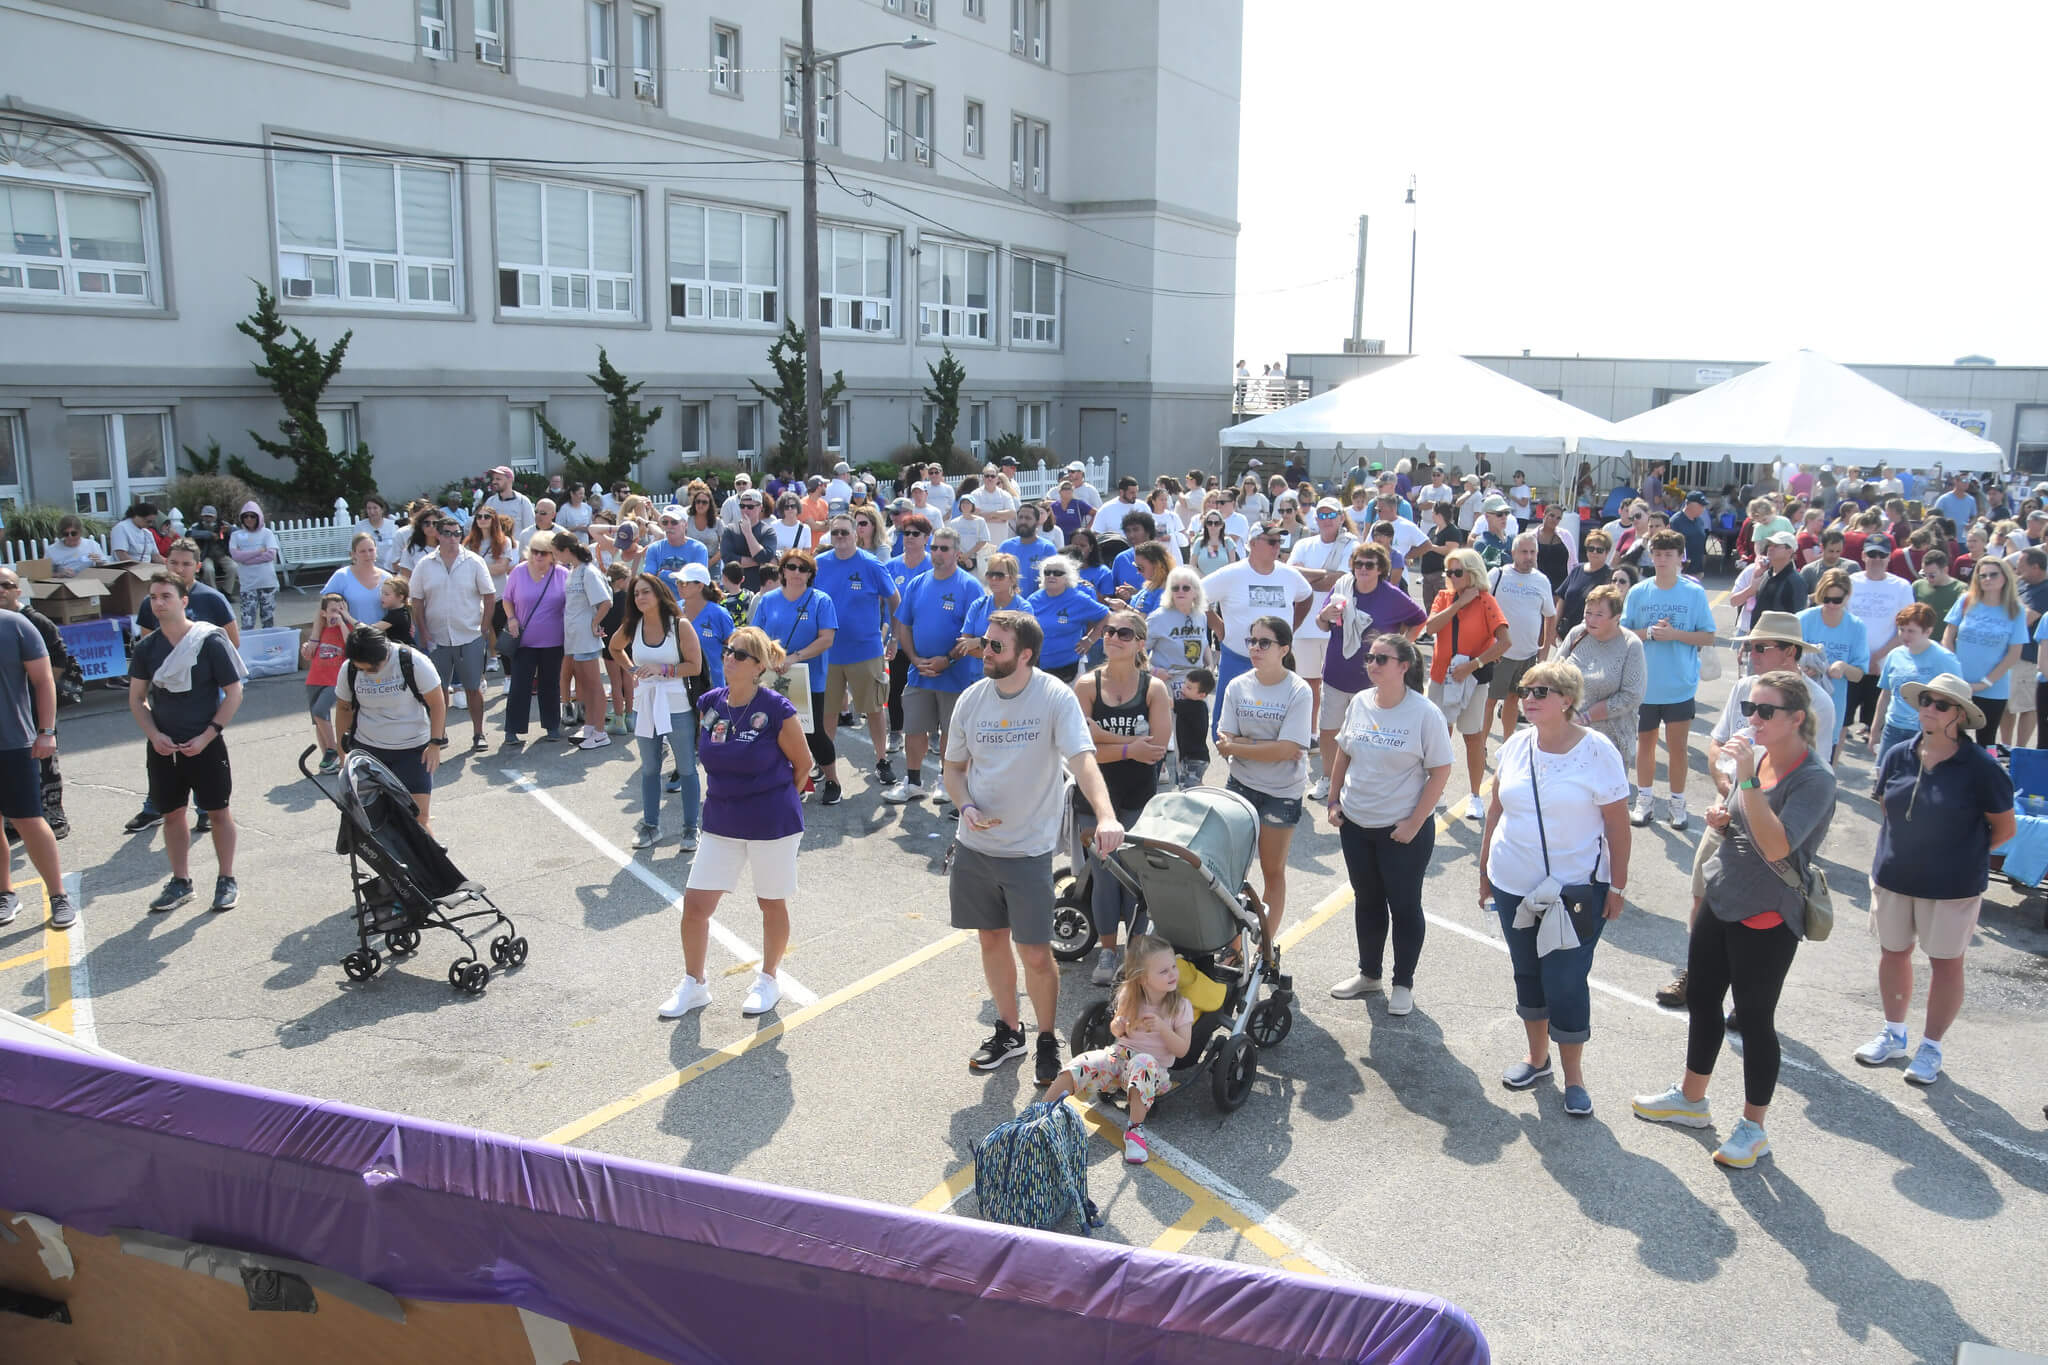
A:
(324, 668)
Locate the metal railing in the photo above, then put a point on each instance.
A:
(1267, 395)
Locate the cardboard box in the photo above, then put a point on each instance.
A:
(127, 585)
(62, 599)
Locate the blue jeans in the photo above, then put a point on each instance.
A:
(682, 742)
(1893, 736)
(1554, 987)
(1229, 663)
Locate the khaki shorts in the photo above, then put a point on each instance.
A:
(1308, 657)
(1469, 721)
(1942, 928)
(867, 682)
(1330, 716)
(1506, 674)
(2024, 675)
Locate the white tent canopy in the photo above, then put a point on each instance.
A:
(1425, 402)
(1806, 409)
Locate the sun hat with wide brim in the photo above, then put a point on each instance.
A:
(1945, 685)
(1775, 627)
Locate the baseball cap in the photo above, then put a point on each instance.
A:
(1377, 466)
(1494, 505)
(504, 469)
(1010, 460)
(694, 573)
(842, 468)
(750, 497)
(902, 505)
(1329, 505)
(672, 511)
(1076, 468)
(1691, 498)
(920, 487)
(1877, 545)
(209, 511)
(1785, 538)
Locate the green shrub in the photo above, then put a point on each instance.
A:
(38, 521)
(223, 492)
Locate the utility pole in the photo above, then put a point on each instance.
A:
(1411, 257)
(1358, 288)
(814, 348)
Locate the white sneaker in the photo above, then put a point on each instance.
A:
(1885, 1047)
(594, 740)
(1646, 808)
(1401, 1001)
(1351, 987)
(1674, 810)
(692, 994)
(761, 997)
(491, 664)
(456, 701)
(940, 796)
(1319, 790)
(1473, 809)
(902, 792)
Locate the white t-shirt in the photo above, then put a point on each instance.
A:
(1576, 784)
(1407, 535)
(1256, 506)
(1877, 603)
(838, 490)
(68, 560)
(1286, 710)
(1525, 599)
(135, 541)
(518, 508)
(1321, 557)
(940, 495)
(1237, 528)
(1519, 495)
(387, 715)
(1429, 494)
(1241, 594)
(993, 503)
(1016, 750)
(1392, 750)
(1109, 517)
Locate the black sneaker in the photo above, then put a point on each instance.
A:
(1003, 1044)
(202, 823)
(846, 720)
(176, 892)
(143, 819)
(226, 894)
(1049, 1063)
(1731, 1023)
(885, 773)
(831, 795)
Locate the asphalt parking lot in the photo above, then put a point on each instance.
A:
(1889, 1225)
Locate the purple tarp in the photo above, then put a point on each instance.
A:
(685, 1266)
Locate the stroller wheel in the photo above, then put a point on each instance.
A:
(474, 978)
(1073, 931)
(1236, 1068)
(458, 970)
(361, 965)
(1090, 1030)
(1270, 1022)
(507, 951)
(402, 941)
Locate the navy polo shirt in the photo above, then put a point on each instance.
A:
(1942, 849)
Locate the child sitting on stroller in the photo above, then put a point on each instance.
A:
(1152, 1025)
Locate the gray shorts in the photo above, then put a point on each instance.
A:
(460, 665)
(1002, 893)
(1506, 674)
(320, 702)
(926, 712)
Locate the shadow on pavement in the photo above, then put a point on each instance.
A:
(1677, 1235)
(407, 986)
(1431, 1083)
(715, 1142)
(137, 953)
(1975, 1120)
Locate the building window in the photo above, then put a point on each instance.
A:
(1020, 138)
(117, 459)
(692, 420)
(792, 96)
(375, 233)
(977, 429)
(340, 425)
(953, 287)
(647, 55)
(13, 453)
(77, 220)
(921, 10)
(838, 427)
(490, 31)
(526, 445)
(2030, 438)
(1034, 422)
(1034, 302)
(1041, 147)
(975, 9)
(892, 147)
(971, 136)
(433, 15)
(564, 249)
(857, 280)
(748, 445)
(724, 265)
(927, 421)
(604, 35)
(725, 59)
(1031, 29)
(909, 121)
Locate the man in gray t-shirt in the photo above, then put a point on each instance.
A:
(1012, 734)
(28, 735)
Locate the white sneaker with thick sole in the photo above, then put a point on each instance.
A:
(1474, 808)
(1319, 790)
(1645, 811)
(762, 996)
(903, 792)
(692, 994)
(456, 701)
(1674, 810)
(1401, 1001)
(1887, 1046)
(1352, 987)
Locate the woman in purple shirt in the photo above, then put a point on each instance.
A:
(1370, 604)
(534, 593)
(755, 759)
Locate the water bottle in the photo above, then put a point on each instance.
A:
(1725, 764)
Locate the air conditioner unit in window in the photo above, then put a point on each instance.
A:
(924, 153)
(1017, 173)
(601, 79)
(490, 50)
(298, 288)
(921, 9)
(643, 87)
(1016, 41)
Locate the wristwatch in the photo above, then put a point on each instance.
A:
(441, 742)
(1749, 784)
(51, 733)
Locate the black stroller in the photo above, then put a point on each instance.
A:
(403, 880)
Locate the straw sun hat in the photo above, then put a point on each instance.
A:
(1946, 685)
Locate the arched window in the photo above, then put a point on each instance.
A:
(77, 219)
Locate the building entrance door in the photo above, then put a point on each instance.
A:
(1098, 435)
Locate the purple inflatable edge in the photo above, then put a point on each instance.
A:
(627, 1248)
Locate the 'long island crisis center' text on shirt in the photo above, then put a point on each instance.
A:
(1016, 750)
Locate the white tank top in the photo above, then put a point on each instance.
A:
(668, 652)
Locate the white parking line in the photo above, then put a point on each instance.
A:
(791, 988)
(83, 1027)
(1629, 997)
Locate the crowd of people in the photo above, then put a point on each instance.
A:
(1036, 665)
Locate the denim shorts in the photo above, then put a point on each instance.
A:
(1281, 811)
(581, 657)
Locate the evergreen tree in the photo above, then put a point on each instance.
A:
(629, 428)
(944, 396)
(298, 372)
(786, 358)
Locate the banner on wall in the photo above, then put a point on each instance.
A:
(1976, 421)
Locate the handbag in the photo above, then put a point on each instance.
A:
(1584, 903)
(1819, 901)
(1481, 675)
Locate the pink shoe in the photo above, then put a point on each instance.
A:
(1136, 1150)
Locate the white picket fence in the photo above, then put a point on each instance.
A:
(306, 532)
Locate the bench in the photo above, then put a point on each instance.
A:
(311, 547)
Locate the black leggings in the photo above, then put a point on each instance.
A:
(822, 748)
(1862, 700)
(899, 674)
(1191, 728)
(1386, 885)
(1994, 711)
(1724, 957)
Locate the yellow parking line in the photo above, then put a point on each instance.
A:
(1199, 1216)
(943, 1194)
(1337, 900)
(675, 1080)
(23, 960)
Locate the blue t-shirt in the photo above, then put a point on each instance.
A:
(666, 559)
(860, 587)
(1959, 508)
(794, 625)
(1064, 619)
(714, 628)
(1100, 581)
(1147, 600)
(901, 573)
(1124, 572)
(1983, 634)
(1028, 553)
(985, 607)
(1673, 668)
(937, 611)
(1902, 666)
(1611, 509)
(1694, 529)
(1847, 643)
(1933, 842)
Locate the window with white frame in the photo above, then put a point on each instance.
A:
(1031, 29)
(838, 426)
(748, 444)
(1040, 178)
(433, 16)
(117, 459)
(339, 422)
(921, 124)
(898, 95)
(972, 136)
(366, 232)
(13, 460)
(692, 419)
(526, 445)
(567, 250)
(921, 10)
(1034, 422)
(724, 265)
(793, 96)
(953, 287)
(489, 22)
(977, 429)
(77, 220)
(975, 9)
(1020, 141)
(725, 59)
(1034, 301)
(857, 280)
(646, 54)
(927, 421)
(603, 22)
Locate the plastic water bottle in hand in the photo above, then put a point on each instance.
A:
(1725, 764)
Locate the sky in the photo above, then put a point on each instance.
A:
(1719, 182)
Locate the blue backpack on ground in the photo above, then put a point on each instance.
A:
(1032, 1171)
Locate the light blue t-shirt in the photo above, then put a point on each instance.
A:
(1847, 643)
(1673, 668)
(714, 628)
(794, 625)
(1902, 666)
(859, 586)
(937, 611)
(1983, 634)
(1959, 508)
(1064, 619)
(666, 560)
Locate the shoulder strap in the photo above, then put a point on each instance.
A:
(1536, 790)
(405, 671)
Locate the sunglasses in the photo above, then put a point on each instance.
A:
(1052, 573)
(841, 535)
(998, 573)
(918, 534)
(1763, 647)
(1454, 573)
(1941, 705)
(1252, 642)
(1833, 601)
(794, 568)
(1762, 710)
(1382, 658)
(732, 653)
(533, 553)
(1535, 692)
(1120, 633)
(994, 648)
(1326, 516)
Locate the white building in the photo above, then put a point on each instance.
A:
(487, 191)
